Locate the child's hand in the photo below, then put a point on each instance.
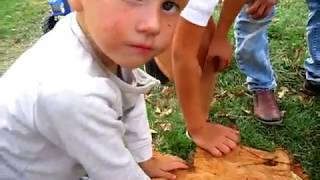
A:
(159, 167)
(215, 138)
(220, 51)
(261, 8)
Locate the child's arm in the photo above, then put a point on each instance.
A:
(229, 11)
(187, 68)
(220, 49)
(81, 119)
(190, 75)
(138, 139)
(160, 166)
(187, 72)
(193, 90)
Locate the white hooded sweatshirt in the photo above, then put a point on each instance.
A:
(63, 115)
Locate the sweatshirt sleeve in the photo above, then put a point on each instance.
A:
(81, 120)
(138, 136)
(199, 11)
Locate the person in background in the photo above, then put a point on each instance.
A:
(252, 55)
(198, 58)
(312, 64)
(196, 61)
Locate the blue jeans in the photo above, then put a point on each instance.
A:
(252, 50)
(312, 64)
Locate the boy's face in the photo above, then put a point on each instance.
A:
(128, 32)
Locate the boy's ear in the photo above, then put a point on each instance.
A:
(76, 5)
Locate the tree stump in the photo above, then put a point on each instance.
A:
(243, 163)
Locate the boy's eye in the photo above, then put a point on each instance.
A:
(170, 6)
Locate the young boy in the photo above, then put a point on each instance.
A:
(73, 103)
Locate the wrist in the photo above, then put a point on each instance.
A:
(220, 38)
(194, 129)
(221, 33)
(145, 163)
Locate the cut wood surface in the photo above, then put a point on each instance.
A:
(243, 163)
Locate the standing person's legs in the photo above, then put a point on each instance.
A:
(312, 64)
(252, 55)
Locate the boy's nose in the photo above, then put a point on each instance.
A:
(150, 23)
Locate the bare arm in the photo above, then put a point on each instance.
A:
(230, 10)
(187, 72)
(193, 77)
(220, 50)
(194, 84)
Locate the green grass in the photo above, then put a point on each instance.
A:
(20, 27)
(20, 23)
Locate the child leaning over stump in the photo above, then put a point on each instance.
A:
(81, 109)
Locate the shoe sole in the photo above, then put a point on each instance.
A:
(268, 122)
(308, 92)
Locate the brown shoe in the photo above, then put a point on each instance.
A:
(266, 108)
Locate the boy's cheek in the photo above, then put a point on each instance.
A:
(163, 48)
(168, 36)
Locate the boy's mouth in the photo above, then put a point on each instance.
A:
(142, 48)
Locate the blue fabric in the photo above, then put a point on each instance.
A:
(312, 64)
(252, 50)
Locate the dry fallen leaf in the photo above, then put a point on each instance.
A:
(158, 110)
(166, 126)
(282, 92)
(246, 110)
(152, 131)
(148, 97)
(166, 112)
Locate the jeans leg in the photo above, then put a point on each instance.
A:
(252, 50)
(312, 64)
